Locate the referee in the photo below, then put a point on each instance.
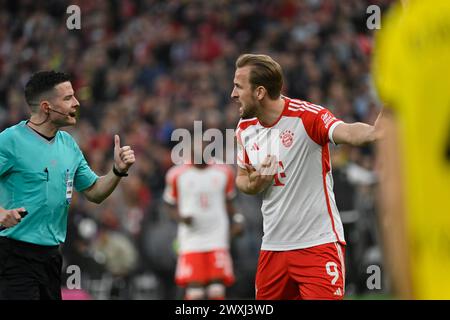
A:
(39, 167)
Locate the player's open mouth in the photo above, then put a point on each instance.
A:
(73, 114)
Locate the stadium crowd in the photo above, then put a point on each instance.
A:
(143, 68)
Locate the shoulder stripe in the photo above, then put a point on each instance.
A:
(306, 104)
(295, 103)
(295, 106)
(304, 107)
(314, 106)
(295, 109)
(311, 110)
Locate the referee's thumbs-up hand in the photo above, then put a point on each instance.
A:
(123, 156)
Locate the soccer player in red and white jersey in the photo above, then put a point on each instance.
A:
(200, 196)
(283, 154)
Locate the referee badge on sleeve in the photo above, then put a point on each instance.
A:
(69, 187)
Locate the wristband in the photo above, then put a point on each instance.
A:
(119, 174)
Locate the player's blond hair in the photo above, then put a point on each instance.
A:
(265, 72)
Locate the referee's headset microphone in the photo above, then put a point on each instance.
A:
(64, 114)
(48, 114)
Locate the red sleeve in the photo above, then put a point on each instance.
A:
(230, 188)
(170, 194)
(319, 124)
(230, 191)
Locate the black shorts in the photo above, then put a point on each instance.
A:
(29, 271)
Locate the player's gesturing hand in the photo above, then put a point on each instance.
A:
(379, 126)
(123, 156)
(260, 179)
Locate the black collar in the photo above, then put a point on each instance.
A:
(43, 136)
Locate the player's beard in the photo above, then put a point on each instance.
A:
(249, 110)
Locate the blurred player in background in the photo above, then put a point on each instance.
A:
(200, 198)
(39, 167)
(411, 68)
(283, 154)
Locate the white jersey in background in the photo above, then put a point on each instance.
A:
(299, 209)
(202, 194)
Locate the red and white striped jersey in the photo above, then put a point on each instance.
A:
(202, 194)
(299, 209)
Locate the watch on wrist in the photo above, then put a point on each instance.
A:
(119, 174)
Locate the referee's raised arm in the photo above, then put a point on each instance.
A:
(41, 184)
(105, 185)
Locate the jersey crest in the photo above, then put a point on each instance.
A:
(287, 138)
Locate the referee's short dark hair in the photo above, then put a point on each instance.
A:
(42, 82)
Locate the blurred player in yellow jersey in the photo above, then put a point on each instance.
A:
(412, 69)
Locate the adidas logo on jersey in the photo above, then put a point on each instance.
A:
(338, 292)
(255, 147)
